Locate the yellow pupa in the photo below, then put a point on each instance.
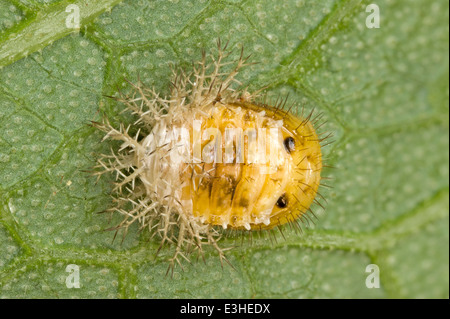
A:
(208, 158)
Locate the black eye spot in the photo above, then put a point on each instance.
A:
(289, 144)
(282, 202)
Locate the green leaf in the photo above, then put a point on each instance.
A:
(384, 93)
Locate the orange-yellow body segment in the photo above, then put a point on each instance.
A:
(255, 188)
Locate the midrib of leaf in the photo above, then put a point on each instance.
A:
(46, 27)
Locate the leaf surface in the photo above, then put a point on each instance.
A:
(383, 92)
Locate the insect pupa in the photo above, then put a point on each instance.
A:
(210, 157)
